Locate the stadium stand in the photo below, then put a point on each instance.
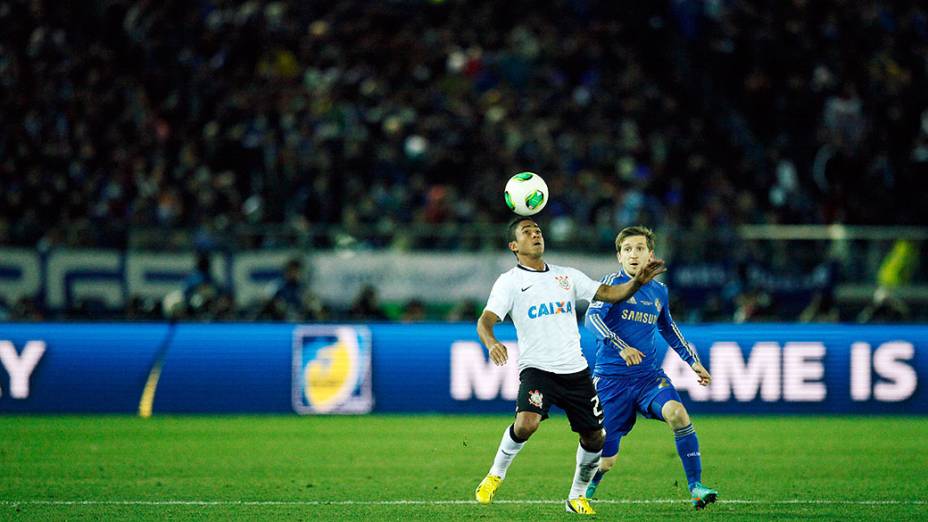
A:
(366, 118)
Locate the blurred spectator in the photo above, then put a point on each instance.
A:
(290, 298)
(88, 309)
(896, 270)
(414, 311)
(752, 306)
(27, 309)
(898, 266)
(366, 306)
(223, 308)
(463, 311)
(142, 309)
(201, 291)
(173, 306)
(821, 308)
(884, 309)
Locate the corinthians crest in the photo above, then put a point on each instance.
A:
(534, 398)
(564, 281)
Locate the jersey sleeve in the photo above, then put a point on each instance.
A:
(500, 300)
(584, 287)
(671, 333)
(594, 320)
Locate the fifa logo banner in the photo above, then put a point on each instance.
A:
(332, 369)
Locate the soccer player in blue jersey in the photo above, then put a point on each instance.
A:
(628, 374)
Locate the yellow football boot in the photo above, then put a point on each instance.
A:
(487, 489)
(580, 506)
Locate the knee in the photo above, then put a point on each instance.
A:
(525, 426)
(593, 440)
(606, 463)
(675, 415)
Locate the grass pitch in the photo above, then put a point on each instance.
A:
(426, 468)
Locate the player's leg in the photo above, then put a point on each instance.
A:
(532, 407)
(578, 398)
(513, 439)
(588, 453)
(606, 463)
(676, 416)
(526, 424)
(619, 418)
(662, 402)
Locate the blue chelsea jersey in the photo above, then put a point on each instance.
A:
(634, 322)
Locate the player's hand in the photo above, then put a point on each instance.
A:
(498, 353)
(702, 374)
(654, 268)
(631, 356)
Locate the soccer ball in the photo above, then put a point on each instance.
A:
(526, 193)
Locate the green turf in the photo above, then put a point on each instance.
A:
(243, 464)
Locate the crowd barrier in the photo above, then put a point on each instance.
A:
(352, 368)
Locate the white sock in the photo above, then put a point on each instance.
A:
(508, 449)
(587, 462)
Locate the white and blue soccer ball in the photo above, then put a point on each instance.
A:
(526, 193)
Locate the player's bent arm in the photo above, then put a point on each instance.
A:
(591, 320)
(485, 323)
(594, 322)
(617, 293)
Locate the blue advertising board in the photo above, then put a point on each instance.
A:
(331, 368)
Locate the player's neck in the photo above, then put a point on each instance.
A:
(534, 263)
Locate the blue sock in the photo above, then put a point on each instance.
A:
(688, 449)
(597, 477)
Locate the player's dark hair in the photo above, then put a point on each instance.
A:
(514, 226)
(637, 230)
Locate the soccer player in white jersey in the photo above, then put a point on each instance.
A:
(541, 300)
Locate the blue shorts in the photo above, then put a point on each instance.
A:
(623, 398)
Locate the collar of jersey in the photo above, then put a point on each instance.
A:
(623, 274)
(527, 269)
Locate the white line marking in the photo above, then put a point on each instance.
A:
(41, 502)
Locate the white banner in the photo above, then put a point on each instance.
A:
(112, 276)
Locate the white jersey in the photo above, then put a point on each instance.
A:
(543, 308)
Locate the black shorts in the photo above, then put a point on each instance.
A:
(574, 392)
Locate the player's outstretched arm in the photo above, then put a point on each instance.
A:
(617, 293)
(498, 353)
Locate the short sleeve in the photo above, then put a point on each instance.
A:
(584, 287)
(500, 300)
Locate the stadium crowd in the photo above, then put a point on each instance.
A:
(686, 114)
